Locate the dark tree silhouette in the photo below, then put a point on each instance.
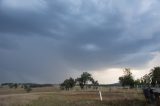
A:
(127, 78)
(84, 79)
(155, 76)
(68, 84)
(95, 84)
(27, 88)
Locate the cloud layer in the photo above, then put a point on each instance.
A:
(47, 41)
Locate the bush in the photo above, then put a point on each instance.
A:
(27, 88)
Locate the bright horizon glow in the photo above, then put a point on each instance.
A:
(110, 76)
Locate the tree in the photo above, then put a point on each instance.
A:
(71, 82)
(155, 76)
(27, 88)
(137, 82)
(68, 84)
(127, 78)
(12, 85)
(147, 79)
(15, 85)
(84, 79)
(94, 83)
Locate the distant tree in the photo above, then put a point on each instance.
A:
(142, 81)
(65, 85)
(84, 79)
(22, 86)
(27, 88)
(11, 85)
(15, 85)
(155, 76)
(94, 83)
(71, 82)
(152, 78)
(137, 82)
(68, 84)
(80, 82)
(147, 79)
(127, 78)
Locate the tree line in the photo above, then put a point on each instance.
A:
(26, 86)
(151, 79)
(127, 80)
(84, 81)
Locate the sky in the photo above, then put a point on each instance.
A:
(47, 41)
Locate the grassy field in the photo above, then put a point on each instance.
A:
(51, 96)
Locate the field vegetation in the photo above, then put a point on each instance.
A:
(52, 96)
(83, 91)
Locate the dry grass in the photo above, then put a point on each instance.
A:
(17, 99)
(117, 97)
(86, 98)
(54, 97)
(6, 91)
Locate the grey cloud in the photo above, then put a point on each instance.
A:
(47, 42)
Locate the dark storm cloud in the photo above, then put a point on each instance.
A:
(46, 41)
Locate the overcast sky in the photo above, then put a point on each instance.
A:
(46, 41)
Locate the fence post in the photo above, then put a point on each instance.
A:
(100, 95)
